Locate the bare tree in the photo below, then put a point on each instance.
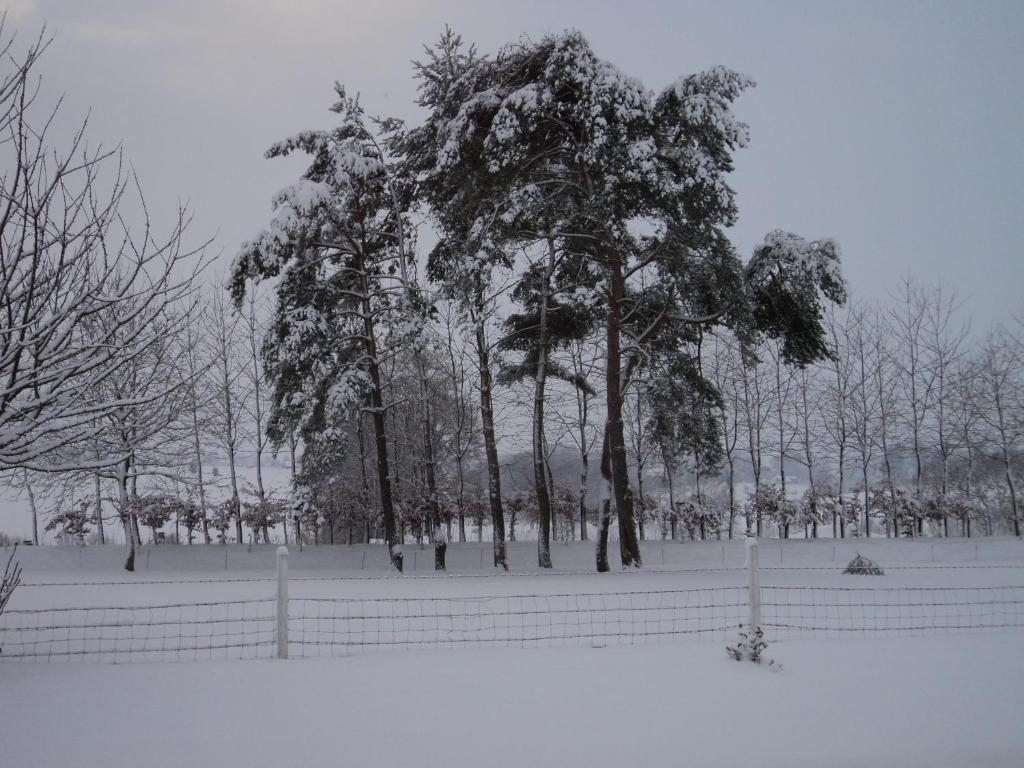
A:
(68, 255)
(863, 400)
(1000, 389)
(463, 420)
(725, 371)
(838, 396)
(583, 433)
(916, 381)
(808, 412)
(143, 439)
(885, 384)
(756, 412)
(965, 419)
(227, 377)
(641, 443)
(782, 394)
(943, 342)
(198, 410)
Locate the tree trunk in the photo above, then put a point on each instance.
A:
(732, 495)
(32, 508)
(379, 425)
(842, 514)
(667, 462)
(99, 510)
(867, 503)
(257, 396)
(229, 437)
(197, 448)
(582, 409)
(129, 533)
(1013, 493)
(459, 471)
(540, 473)
(428, 461)
(629, 547)
(490, 447)
(135, 517)
(604, 523)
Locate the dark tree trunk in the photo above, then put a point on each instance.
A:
(490, 448)
(440, 549)
(604, 523)
(461, 498)
(629, 547)
(540, 472)
(379, 427)
(732, 496)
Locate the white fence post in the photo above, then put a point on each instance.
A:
(282, 602)
(754, 585)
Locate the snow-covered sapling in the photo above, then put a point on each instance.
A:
(751, 647)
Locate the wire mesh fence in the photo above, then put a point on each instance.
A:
(794, 612)
(247, 629)
(241, 629)
(318, 627)
(1010, 568)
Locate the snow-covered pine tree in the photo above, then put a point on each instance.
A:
(333, 242)
(467, 258)
(548, 134)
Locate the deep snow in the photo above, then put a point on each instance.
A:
(848, 701)
(935, 702)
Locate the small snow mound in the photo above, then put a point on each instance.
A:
(861, 566)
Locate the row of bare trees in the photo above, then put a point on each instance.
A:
(914, 425)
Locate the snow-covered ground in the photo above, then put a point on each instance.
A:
(935, 702)
(950, 699)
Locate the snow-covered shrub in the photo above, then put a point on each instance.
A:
(700, 517)
(153, 511)
(71, 524)
(896, 509)
(811, 510)
(261, 515)
(221, 519)
(191, 516)
(768, 503)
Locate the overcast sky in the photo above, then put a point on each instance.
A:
(894, 127)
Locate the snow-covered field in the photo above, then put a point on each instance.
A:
(940, 692)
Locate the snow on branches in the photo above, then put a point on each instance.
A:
(86, 294)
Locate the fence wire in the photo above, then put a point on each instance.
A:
(792, 612)
(242, 629)
(245, 629)
(527, 574)
(326, 627)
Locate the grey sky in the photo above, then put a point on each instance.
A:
(894, 127)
